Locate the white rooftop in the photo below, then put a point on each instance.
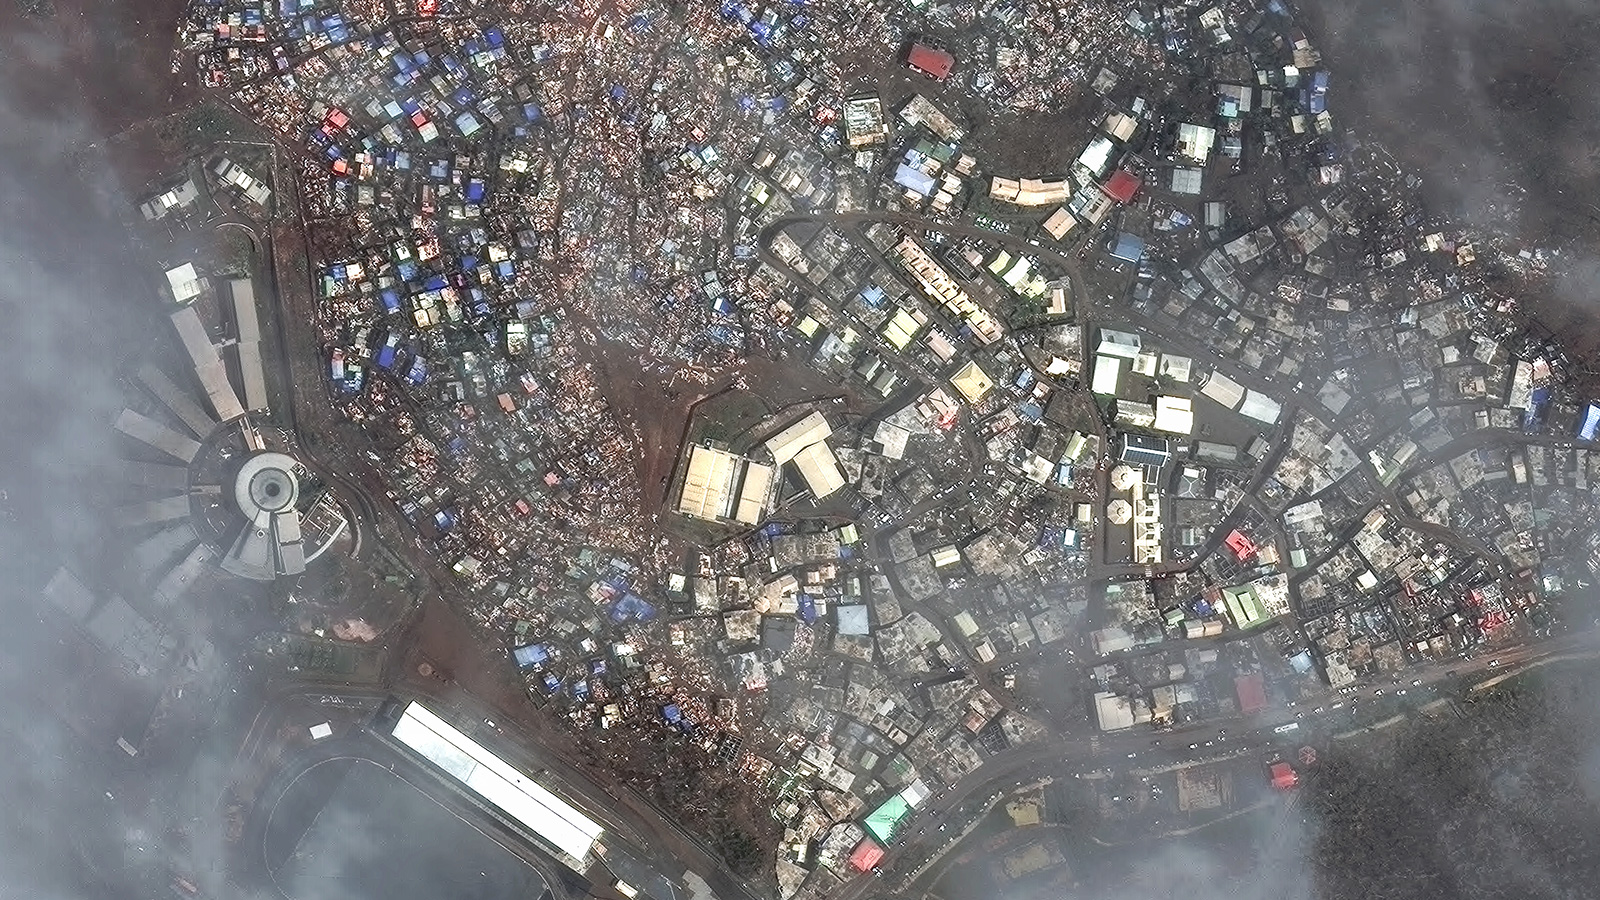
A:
(492, 779)
(184, 282)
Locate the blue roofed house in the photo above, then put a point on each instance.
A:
(916, 181)
(1128, 248)
(1145, 450)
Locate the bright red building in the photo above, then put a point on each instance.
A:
(931, 61)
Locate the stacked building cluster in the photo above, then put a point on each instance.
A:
(1201, 418)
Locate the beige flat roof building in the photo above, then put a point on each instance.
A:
(786, 444)
(820, 469)
(720, 485)
(972, 382)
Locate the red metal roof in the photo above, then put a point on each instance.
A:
(866, 855)
(1283, 777)
(1242, 547)
(1122, 186)
(934, 63)
(1252, 691)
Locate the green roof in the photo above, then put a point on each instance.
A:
(886, 819)
(1244, 605)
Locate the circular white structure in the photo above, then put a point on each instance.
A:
(1123, 478)
(1119, 511)
(266, 484)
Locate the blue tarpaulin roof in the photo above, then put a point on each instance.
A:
(915, 180)
(1129, 248)
(632, 607)
(531, 655)
(1591, 423)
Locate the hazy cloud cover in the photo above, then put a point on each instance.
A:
(1475, 94)
(69, 304)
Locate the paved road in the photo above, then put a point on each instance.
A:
(1142, 749)
(1132, 750)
